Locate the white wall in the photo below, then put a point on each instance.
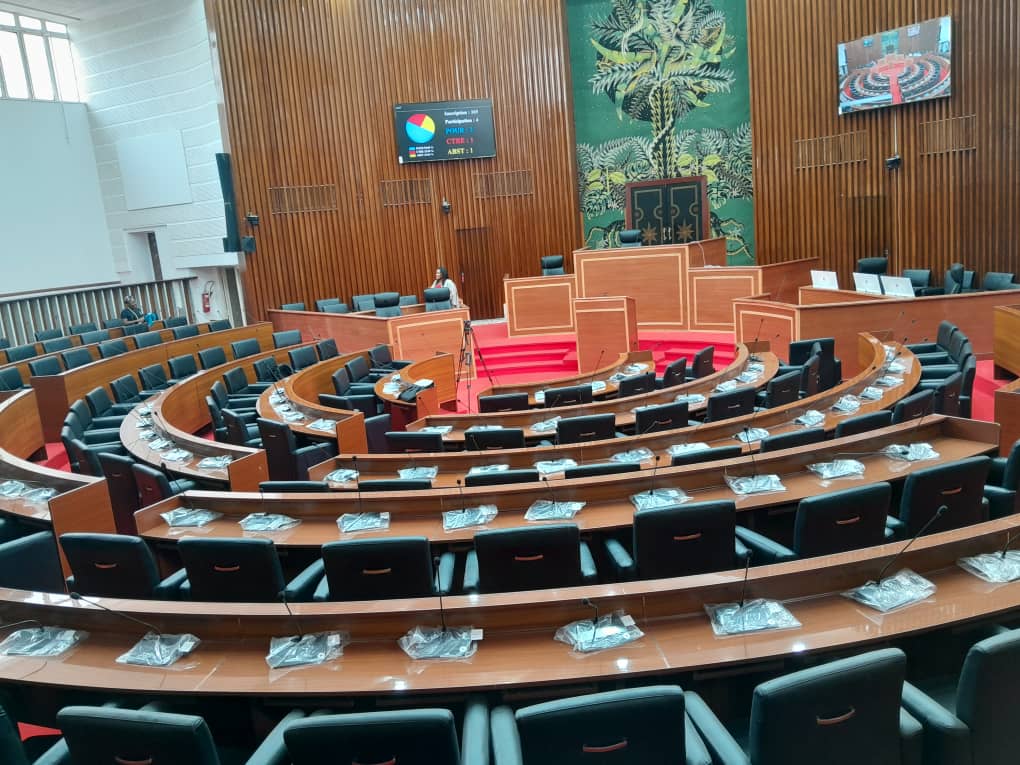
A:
(52, 231)
(145, 71)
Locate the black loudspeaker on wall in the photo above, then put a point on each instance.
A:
(232, 241)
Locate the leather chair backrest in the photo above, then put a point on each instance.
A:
(120, 481)
(601, 468)
(792, 439)
(111, 565)
(523, 475)
(437, 299)
(236, 380)
(376, 428)
(185, 331)
(376, 569)
(31, 563)
(552, 265)
(125, 390)
(685, 539)
(1011, 472)
(266, 370)
(504, 438)
(247, 347)
(47, 365)
(113, 323)
(75, 357)
(997, 280)
(403, 736)
(293, 306)
(784, 389)
(23, 352)
(387, 304)
(802, 350)
(703, 363)
(335, 308)
(81, 410)
(99, 402)
(287, 337)
(395, 484)
(95, 336)
(136, 329)
(11, 750)
(10, 379)
(723, 406)
(675, 373)
(293, 487)
(957, 485)
(153, 486)
(945, 333)
(148, 339)
(212, 357)
(56, 344)
(841, 520)
(236, 429)
(956, 345)
(846, 711)
(405, 442)
(862, 423)
(947, 395)
(877, 265)
(357, 369)
(568, 396)
(218, 391)
(919, 277)
(326, 349)
(913, 406)
(592, 427)
(218, 325)
(78, 329)
(990, 675)
(232, 570)
(153, 377)
(280, 444)
(48, 334)
(635, 384)
(810, 376)
(380, 355)
(651, 419)
(302, 357)
(342, 381)
(182, 366)
(707, 455)
(530, 558)
(503, 402)
(363, 302)
(954, 279)
(101, 735)
(630, 237)
(409, 300)
(175, 321)
(320, 305)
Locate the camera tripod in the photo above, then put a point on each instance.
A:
(468, 349)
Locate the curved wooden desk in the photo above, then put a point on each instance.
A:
(440, 369)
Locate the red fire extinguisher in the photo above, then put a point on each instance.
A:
(207, 292)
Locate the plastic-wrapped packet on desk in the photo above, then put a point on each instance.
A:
(540, 396)
(548, 510)
(158, 650)
(896, 366)
(691, 399)
(12, 489)
(324, 425)
(747, 376)
(993, 567)
(221, 462)
(267, 522)
(349, 522)
(418, 473)
(143, 422)
(160, 444)
(486, 469)
(436, 643)
(753, 616)
(837, 469)
(440, 429)
(468, 517)
(177, 455)
(609, 631)
(483, 428)
(311, 649)
(185, 516)
(754, 484)
(677, 450)
(889, 381)
(598, 386)
(635, 369)
(726, 386)
(392, 388)
(810, 418)
(546, 467)
(148, 435)
(898, 591)
(871, 393)
(342, 475)
(847, 404)
(633, 455)
(41, 641)
(293, 416)
(890, 352)
(648, 500)
(756, 366)
(143, 411)
(910, 452)
(42, 494)
(750, 435)
(278, 397)
(545, 426)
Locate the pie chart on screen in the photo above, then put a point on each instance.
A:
(421, 128)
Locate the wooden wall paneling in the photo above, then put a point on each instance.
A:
(939, 207)
(309, 90)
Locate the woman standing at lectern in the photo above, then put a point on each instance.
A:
(443, 280)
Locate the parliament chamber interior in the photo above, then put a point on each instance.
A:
(473, 381)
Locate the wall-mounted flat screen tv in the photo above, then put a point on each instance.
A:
(900, 66)
(441, 130)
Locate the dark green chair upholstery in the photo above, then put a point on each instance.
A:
(382, 569)
(116, 566)
(239, 571)
(530, 558)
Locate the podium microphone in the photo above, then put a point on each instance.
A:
(938, 514)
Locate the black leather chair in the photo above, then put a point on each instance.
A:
(829, 523)
(336, 308)
(175, 321)
(288, 461)
(592, 427)
(395, 484)
(31, 563)
(182, 366)
(531, 558)
(792, 439)
(153, 377)
(95, 336)
(957, 280)
(998, 280)
(675, 373)
(45, 366)
(504, 438)
(73, 358)
(734, 403)
(344, 386)
(382, 569)
(947, 394)
(631, 725)
(116, 566)
(780, 390)
(382, 360)
(863, 423)
(326, 349)
(714, 454)
(243, 348)
(363, 302)
(101, 406)
(120, 481)
(957, 485)
(148, 339)
(293, 487)
(48, 334)
(877, 266)
(125, 391)
(303, 357)
(218, 325)
(185, 331)
(299, 306)
(593, 469)
(437, 299)
(703, 363)
(914, 406)
(268, 371)
(359, 372)
(211, 357)
(523, 475)
(679, 540)
(320, 305)
(920, 278)
(287, 337)
(552, 265)
(630, 237)
(96, 435)
(376, 428)
(387, 304)
(56, 344)
(24, 352)
(944, 335)
(10, 379)
(137, 329)
(154, 486)
(1003, 483)
(408, 442)
(811, 376)
(239, 402)
(568, 396)
(503, 402)
(82, 328)
(830, 368)
(635, 384)
(846, 711)
(958, 347)
(90, 423)
(238, 430)
(651, 419)
(237, 383)
(239, 571)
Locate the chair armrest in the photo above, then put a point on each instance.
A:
(103, 436)
(911, 739)
(938, 372)
(258, 387)
(273, 750)
(722, 746)
(444, 574)
(589, 574)
(506, 743)
(623, 564)
(474, 739)
(361, 389)
(321, 594)
(400, 363)
(917, 348)
(898, 527)
(996, 471)
(170, 588)
(695, 750)
(946, 738)
(740, 552)
(471, 572)
(764, 549)
(302, 587)
(58, 754)
(99, 423)
(1001, 502)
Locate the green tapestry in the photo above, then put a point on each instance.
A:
(661, 91)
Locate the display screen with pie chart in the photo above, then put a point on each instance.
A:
(442, 130)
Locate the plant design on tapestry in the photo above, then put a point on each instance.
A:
(658, 61)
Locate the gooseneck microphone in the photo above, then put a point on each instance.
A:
(150, 627)
(595, 621)
(439, 591)
(282, 595)
(743, 586)
(357, 479)
(1009, 540)
(549, 486)
(938, 514)
(598, 363)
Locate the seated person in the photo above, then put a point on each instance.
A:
(133, 314)
(443, 280)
